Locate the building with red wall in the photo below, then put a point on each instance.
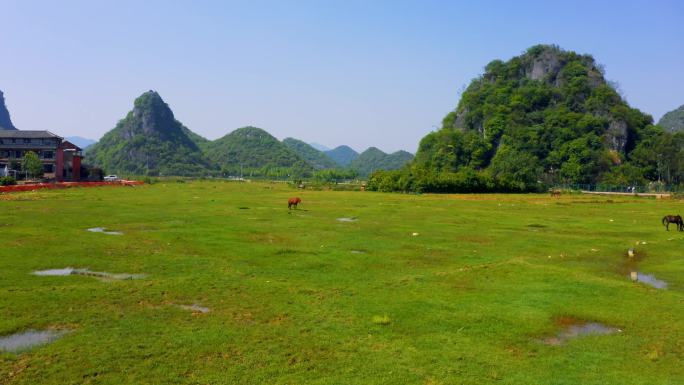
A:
(61, 159)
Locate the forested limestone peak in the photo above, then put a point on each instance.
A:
(543, 118)
(316, 158)
(673, 121)
(149, 141)
(254, 149)
(342, 155)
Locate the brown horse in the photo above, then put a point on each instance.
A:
(676, 219)
(293, 202)
(555, 193)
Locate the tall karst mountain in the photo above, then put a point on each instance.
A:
(375, 159)
(342, 155)
(5, 121)
(547, 115)
(673, 121)
(149, 141)
(316, 158)
(253, 149)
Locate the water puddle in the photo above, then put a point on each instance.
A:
(573, 328)
(195, 308)
(648, 279)
(352, 219)
(54, 272)
(18, 342)
(104, 231)
(630, 269)
(85, 272)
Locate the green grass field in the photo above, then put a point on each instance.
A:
(302, 298)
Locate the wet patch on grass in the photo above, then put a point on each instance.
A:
(647, 279)
(537, 226)
(85, 272)
(195, 308)
(54, 272)
(352, 219)
(243, 208)
(22, 341)
(572, 328)
(631, 270)
(104, 231)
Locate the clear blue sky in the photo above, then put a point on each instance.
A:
(363, 73)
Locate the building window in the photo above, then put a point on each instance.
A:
(27, 140)
(4, 154)
(48, 168)
(48, 155)
(18, 154)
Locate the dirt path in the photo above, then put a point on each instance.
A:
(656, 195)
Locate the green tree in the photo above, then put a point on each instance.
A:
(32, 165)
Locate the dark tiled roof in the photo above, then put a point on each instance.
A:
(67, 145)
(27, 134)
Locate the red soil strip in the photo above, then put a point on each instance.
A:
(57, 185)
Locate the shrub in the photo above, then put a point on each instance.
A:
(381, 320)
(7, 181)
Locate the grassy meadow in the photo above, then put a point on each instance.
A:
(419, 289)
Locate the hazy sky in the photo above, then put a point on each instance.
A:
(362, 73)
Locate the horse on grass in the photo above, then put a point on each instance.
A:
(293, 202)
(676, 219)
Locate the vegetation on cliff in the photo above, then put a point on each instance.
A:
(673, 121)
(149, 141)
(544, 118)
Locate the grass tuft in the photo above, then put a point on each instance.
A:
(381, 320)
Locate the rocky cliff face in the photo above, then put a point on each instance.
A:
(5, 121)
(545, 64)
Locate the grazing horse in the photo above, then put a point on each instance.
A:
(293, 202)
(555, 193)
(676, 219)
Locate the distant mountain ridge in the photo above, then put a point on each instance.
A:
(319, 147)
(318, 159)
(150, 141)
(81, 142)
(5, 120)
(375, 159)
(342, 155)
(673, 121)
